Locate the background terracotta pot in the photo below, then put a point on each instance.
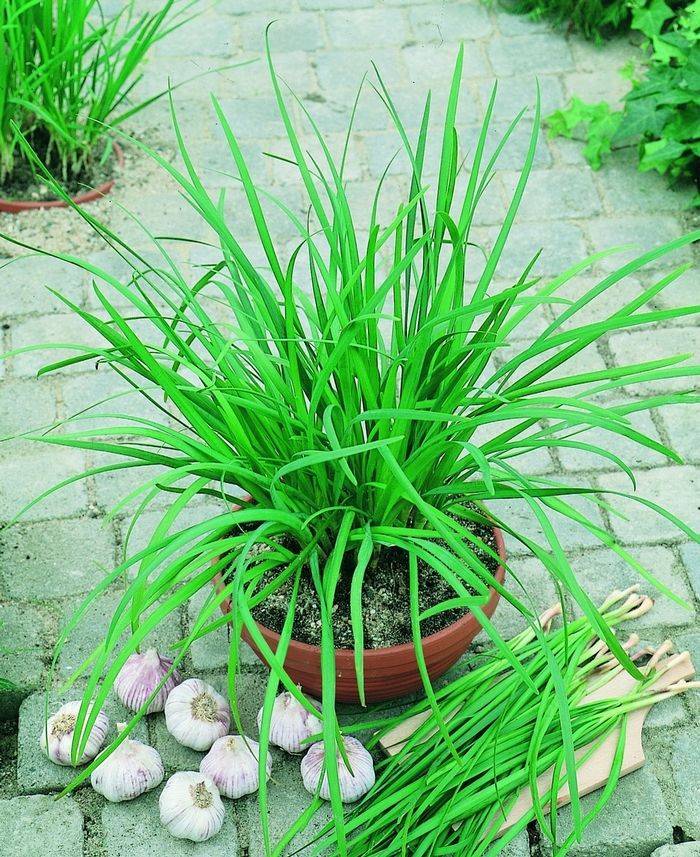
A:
(391, 672)
(12, 206)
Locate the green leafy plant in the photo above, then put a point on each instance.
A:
(361, 414)
(662, 110)
(433, 797)
(595, 20)
(65, 69)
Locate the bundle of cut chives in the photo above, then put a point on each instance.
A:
(449, 797)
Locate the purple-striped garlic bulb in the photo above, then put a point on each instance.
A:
(232, 763)
(140, 676)
(60, 730)
(196, 714)
(352, 785)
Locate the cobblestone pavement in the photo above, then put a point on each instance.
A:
(59, 550)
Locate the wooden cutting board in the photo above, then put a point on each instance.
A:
(595, 771)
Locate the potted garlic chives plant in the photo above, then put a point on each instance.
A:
(350, 414)
(65, 69)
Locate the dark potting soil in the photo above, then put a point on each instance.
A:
(385, 601)
(22, 184)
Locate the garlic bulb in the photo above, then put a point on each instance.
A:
(291, 723)
(132, 769)
(140, 676)
(196, 714)
(190, 806)
(352, 786)
(60, 730)
(232, 763)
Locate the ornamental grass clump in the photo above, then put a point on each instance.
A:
(65, 68)
(437, 796)
(361, 392)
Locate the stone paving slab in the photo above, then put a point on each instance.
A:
(36, 826)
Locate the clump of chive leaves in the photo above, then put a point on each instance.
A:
(437, 796)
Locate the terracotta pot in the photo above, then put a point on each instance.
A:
(389, 673)
(15, 206)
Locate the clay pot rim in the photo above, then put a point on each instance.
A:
(468, 617)
(15, 206)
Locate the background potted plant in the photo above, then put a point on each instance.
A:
(65, 68)
(362, 415)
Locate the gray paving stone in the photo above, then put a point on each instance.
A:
(432, 63)
(217, 169)
(24, 285)
(294, 68)
(564, 246)
(24, 477)
(91, 399)
(594, 87)
(681, 293)
(335, 4)
(510, 24)
(367, 27)
(590, 58)
(681, 423)
(286, 800)
(514, 153)
(602, 571)
(541, 53)
(35, 773)
(664, 716)
(164, 214)
(91, 630)
(240, 7)
(345, 69)
(690, 555)
(50, 331)
(633, 347)
(682, 849)
(410, 105)
(37, 826)
(570, 534)
(25, 630)
(211, 651)
(526, 574)
(673, 488)
(647, 232)
(451, 23)
(240, 222)
(24, 407)
(599, 305)
(629, 192)
(133, 829)
(684, 760)
(335, 111)
(297, 32)
(633, 454)
(204, 36)
(556, 195)
(515, 93)
(54, 559)
(625, 827)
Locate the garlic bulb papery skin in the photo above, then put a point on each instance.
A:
(351, 787)
(130, 770)
(291, 723)
(61, 729)
(196, 714)
(140, 676)
(232, 763)
(190, 806)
